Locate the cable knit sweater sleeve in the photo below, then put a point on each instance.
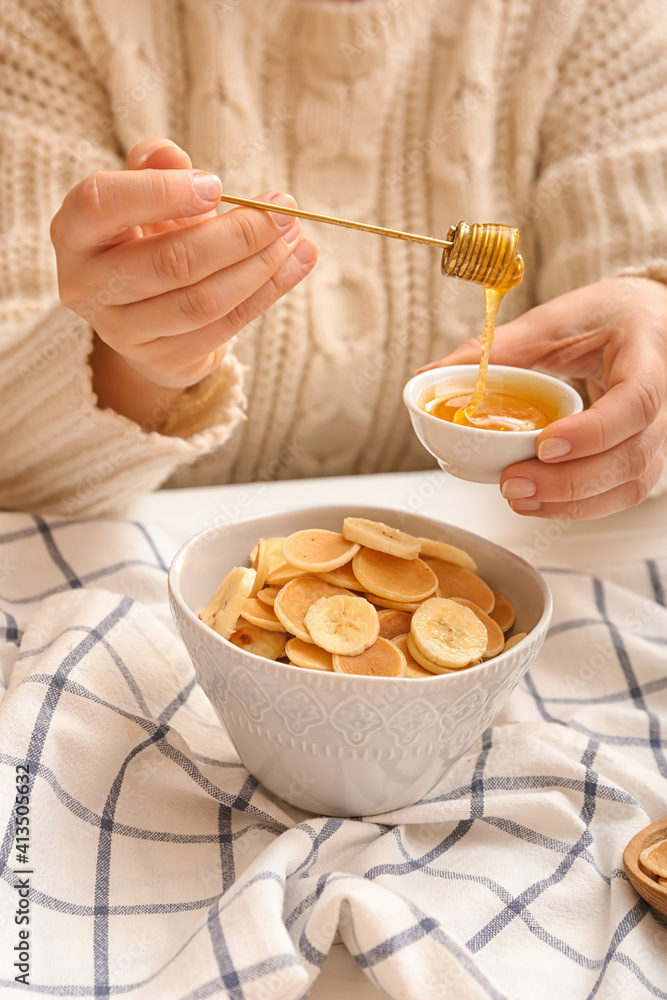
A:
(60, 452)
(600, 202)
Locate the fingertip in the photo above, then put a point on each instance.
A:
(553, 448)
(279, 198)
(306, 252)
(168, 158)
(208, 187)
(158, 153)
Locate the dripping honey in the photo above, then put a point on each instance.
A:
(487, 254)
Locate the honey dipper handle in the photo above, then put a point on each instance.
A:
(299, 213)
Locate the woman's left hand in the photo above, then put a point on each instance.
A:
(613, 334)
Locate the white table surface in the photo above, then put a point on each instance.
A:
(640, 532)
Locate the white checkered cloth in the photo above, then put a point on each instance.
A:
(160, 869)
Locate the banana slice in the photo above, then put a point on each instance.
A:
(379, 536)
(447, 553)
(342, 577)
(318, 551)
(274, 546)
(257, 640)
(514, 641)
(382, 659)
(342, 624)
(268, 595)
(307, 654)
(654, 857)
(403, 580)
(662, 881)
(225, 605)
(296, 597)
(503, 613)
(495, 638)
(455, 581)
(258, 613)
(447, 633)
(413, 669)
(386, 605)
(263, 560)
(423, 661)
(393, 623)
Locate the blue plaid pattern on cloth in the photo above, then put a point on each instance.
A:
(162, 870)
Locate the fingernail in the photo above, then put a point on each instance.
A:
(521, 506)
(553, 447)
(282, 221)
(207, 186)
(151, 152)
(293, 233)
(515, 489)
(305, 253)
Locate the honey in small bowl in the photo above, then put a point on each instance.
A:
(476, 453)
(509, 409)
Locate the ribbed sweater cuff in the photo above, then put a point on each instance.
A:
(65, 455)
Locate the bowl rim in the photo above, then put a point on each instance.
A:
(450, 370)
(360, 510)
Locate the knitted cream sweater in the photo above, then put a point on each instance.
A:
(414, 114)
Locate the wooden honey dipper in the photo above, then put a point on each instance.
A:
(481, 252)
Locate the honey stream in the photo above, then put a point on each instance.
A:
(487, 254)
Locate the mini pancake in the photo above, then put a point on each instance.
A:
(258, 613)
(455, 581)
(423, 661)
(280, 571)
(254, 639)
(294, 599)
(503, 612)
(317, 550)
(386, 605)
(283, 572)
(393, 623)
(306, 654)
(654, 858)
(382, 659)
(268, 595)
(394, 578)
(413, 668)
(343, 576)
(514, 641)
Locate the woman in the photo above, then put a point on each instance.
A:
(135, 364)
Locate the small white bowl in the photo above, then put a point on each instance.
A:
(471, 453)
(333, 743)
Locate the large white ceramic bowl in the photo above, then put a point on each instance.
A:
(470, 452)
(336, 744)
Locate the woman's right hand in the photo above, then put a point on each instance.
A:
(163, 281)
